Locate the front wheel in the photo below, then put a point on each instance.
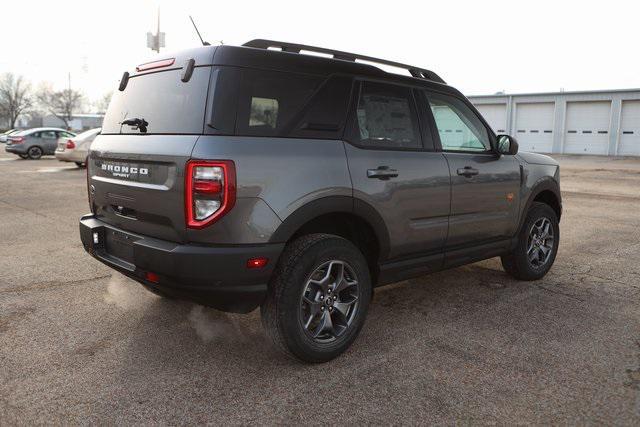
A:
(318, 298)
(537, 244)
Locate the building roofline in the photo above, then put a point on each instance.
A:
(576, 92)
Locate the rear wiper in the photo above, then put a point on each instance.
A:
(140, 124)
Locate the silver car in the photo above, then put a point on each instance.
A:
(37, 142)
(76, 149)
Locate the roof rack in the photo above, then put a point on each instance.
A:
(420, 73)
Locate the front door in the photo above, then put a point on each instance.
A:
(395, 169)
(484, 185)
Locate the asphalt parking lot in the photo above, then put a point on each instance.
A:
(82, 344)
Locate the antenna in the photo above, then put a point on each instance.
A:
(204, 43)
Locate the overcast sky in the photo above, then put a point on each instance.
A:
(480, 47)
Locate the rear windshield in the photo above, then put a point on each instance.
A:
(167, 104)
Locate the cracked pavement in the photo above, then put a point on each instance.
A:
(80, 343)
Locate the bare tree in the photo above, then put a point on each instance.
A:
(15, 97)
(102, 104)
(62, 104)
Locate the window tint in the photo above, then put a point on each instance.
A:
(163, 100)
(48, 134)
(325, 113)
(386, 117)
(459, 127)
(269, 101)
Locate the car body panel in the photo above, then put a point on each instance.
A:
(82, 144)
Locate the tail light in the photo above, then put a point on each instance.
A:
(210, 191)
(70, 145)
(17, 139)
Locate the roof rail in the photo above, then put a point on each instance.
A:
(420, 73)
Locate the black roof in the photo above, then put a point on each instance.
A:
(259, 57)
(289, 59)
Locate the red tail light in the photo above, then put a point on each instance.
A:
(210, 191)
(70, 145)
(17, 139)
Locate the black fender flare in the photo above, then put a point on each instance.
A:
(546, 183)
(329, 205)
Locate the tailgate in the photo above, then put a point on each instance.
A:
(137, 182)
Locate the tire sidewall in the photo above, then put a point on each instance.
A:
(34, 157)
(289, 304)
(538, 211)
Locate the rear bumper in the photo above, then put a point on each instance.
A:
(70, 156)
(216, 276)
(15, 149)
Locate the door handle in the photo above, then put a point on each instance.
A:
(468, 171)
(382, 172)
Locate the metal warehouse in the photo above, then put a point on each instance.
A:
(589, 122)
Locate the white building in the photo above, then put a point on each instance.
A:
(590, 122)
(79, 122)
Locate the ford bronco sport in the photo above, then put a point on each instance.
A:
(258, 175)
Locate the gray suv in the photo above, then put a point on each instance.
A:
(245, 177)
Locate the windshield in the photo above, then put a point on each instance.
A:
(167, 104)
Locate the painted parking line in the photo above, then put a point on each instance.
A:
(51, 170)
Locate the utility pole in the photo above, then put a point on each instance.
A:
(156, 41)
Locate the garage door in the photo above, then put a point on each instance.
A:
(587, 128)
(534, 126)
(495, 115)
(630, 129)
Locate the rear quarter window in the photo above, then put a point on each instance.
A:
(270, 101)
(169, 105)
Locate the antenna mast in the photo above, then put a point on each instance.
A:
(204, 43)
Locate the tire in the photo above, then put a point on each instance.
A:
(34, 153)
(529, 261)
(80, 164)
(23, 156)
(297, 294)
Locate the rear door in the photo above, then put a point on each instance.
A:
(484, 185)
(395, 169)
(49, 141)
(137, 173)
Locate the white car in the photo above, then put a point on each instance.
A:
(76, 149)
(5, 136)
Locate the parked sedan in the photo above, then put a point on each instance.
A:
(34, 143)
(5, 135)
(76, 149)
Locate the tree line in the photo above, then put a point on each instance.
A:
(18, 97)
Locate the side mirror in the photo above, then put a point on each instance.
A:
(507, 145)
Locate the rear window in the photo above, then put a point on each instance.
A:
(169, 105)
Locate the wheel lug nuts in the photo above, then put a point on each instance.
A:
(330, 308)
(322, 308)
(335, 297)
(321, 297)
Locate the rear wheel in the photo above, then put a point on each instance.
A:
(537, 245)
(318, 298)
(34, 153)
(80, 164)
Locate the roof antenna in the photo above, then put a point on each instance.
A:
(204, 43)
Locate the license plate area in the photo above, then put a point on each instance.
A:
(119, 244)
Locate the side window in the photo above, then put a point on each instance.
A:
(270, 100)
(35, 135)
(49, 134)
(459, 127)
(386, 117)
(64, 135)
